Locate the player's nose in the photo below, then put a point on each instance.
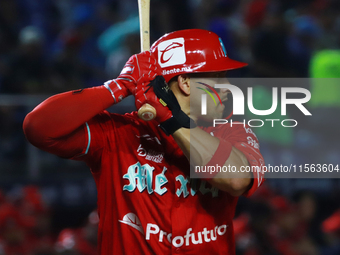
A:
(224, 91)
(224, 94)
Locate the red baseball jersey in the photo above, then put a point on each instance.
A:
(147, 203)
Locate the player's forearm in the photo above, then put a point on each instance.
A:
(63, 113)
(235, 183)
(199, 147)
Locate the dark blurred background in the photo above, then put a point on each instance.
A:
(48, 205)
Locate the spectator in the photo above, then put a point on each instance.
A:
(28, 72)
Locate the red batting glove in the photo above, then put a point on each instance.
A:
(140, 68)
(169, 113)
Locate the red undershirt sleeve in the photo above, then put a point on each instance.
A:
(59, 124)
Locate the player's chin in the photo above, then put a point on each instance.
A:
(220, 109)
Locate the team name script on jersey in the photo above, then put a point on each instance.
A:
(142, 177)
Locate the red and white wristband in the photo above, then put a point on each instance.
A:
(117, 91)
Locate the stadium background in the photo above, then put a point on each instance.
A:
(47, 204)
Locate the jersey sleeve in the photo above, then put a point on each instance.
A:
(245, 140)
(97, 130)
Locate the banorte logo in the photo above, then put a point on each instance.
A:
(171, 52)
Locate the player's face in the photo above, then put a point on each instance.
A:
(215, 98)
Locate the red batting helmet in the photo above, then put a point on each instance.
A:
(192, 51)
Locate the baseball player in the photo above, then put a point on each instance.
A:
(147, 203)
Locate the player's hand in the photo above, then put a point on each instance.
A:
(145, 94)
(169, 114)
(140, 68)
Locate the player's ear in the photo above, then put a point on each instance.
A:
(184, 84)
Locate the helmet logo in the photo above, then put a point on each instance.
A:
(172, 46)
(171, 52)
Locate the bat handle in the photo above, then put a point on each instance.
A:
(147, 112)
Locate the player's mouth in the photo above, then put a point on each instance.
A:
(224, 98)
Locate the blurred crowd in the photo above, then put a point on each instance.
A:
(267, 224)
(52, 46)
(56, 46)
(300, 224)
(27, 227)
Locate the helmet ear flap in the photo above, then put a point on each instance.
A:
(192, 51)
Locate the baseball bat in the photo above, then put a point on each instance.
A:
(145, 112)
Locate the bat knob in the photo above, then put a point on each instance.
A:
(147, 112)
